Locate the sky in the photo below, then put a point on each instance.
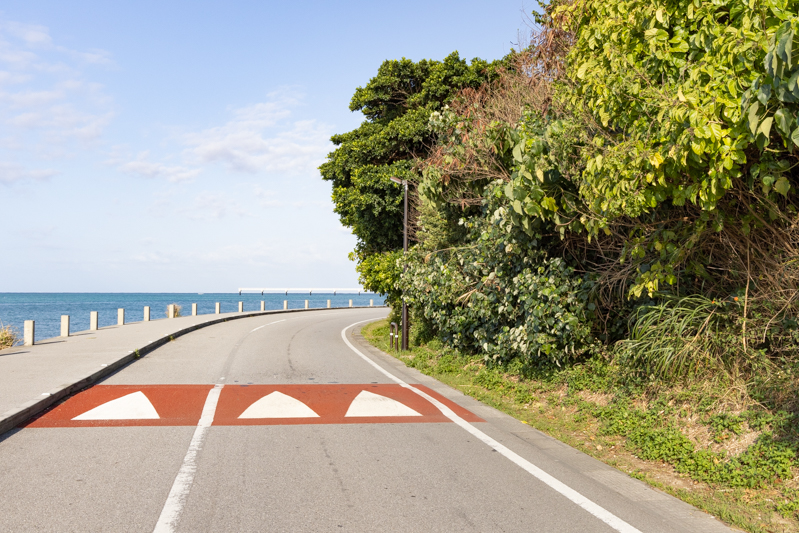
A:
(173, 146)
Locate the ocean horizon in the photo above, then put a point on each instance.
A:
(46, 308)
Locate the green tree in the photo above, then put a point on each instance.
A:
(396, 104)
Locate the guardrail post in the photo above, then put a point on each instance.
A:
(393, 336)
(217, 308)
(241, 307)
(306, 304)
(263, 305)
(371, 303)
(94, 321)
(146, 313)
(350, 303)
(170, 311)
(29, 332)
(193, 309)
(120, 317)
(65, 325)
(328, 304)
(285, 304)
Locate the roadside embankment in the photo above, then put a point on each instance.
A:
(705, 443)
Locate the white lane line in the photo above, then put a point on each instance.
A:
(173, 508)
(259, 327)
(600, 512)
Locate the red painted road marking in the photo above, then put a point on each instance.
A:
(176, 405)
(181, 405)
(331, 403)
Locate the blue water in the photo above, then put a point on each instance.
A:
(46, 308)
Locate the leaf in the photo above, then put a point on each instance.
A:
(782, 186)
(659, 15)
(517, 152)
(795, 136)
(784, 121)
(656, 159)
(792, 81)
(754, 118)
(768, 64)
(784, 38)
(765, 127)
(549, 203)
(582, 69)
(764, 93)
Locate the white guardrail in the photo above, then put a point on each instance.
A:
(29, 334)
(309, 291)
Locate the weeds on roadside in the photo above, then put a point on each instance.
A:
(8, 337)
(178, 310)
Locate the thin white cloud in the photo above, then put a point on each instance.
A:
(213, 206)
(262, 138)
(31, 34)
(47, 108)
(147, 169)
(265, 198)
(10, 173)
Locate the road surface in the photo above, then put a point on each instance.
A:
(291, 423)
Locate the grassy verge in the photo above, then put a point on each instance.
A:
(701, 443)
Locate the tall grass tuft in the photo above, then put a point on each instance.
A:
(178, 310)
(690, 336)
(8, 337)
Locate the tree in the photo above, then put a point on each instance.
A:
(397, 104)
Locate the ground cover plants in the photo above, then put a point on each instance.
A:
(703, 443)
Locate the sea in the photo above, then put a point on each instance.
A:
(46, 308)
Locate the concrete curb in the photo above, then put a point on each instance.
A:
(13, 418)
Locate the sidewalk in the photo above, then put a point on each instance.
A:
(32, 378)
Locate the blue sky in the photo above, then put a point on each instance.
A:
(172, 146)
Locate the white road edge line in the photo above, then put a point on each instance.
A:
(600, 512)
(175, 502)
(259, 327)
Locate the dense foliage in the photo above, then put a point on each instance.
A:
(396, 104)
(625, 184)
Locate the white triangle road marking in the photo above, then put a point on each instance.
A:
(278, 405)
(371, 404)
(133, 406)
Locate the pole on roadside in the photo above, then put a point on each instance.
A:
(404, 184)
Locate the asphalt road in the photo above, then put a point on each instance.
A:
(290, 423)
